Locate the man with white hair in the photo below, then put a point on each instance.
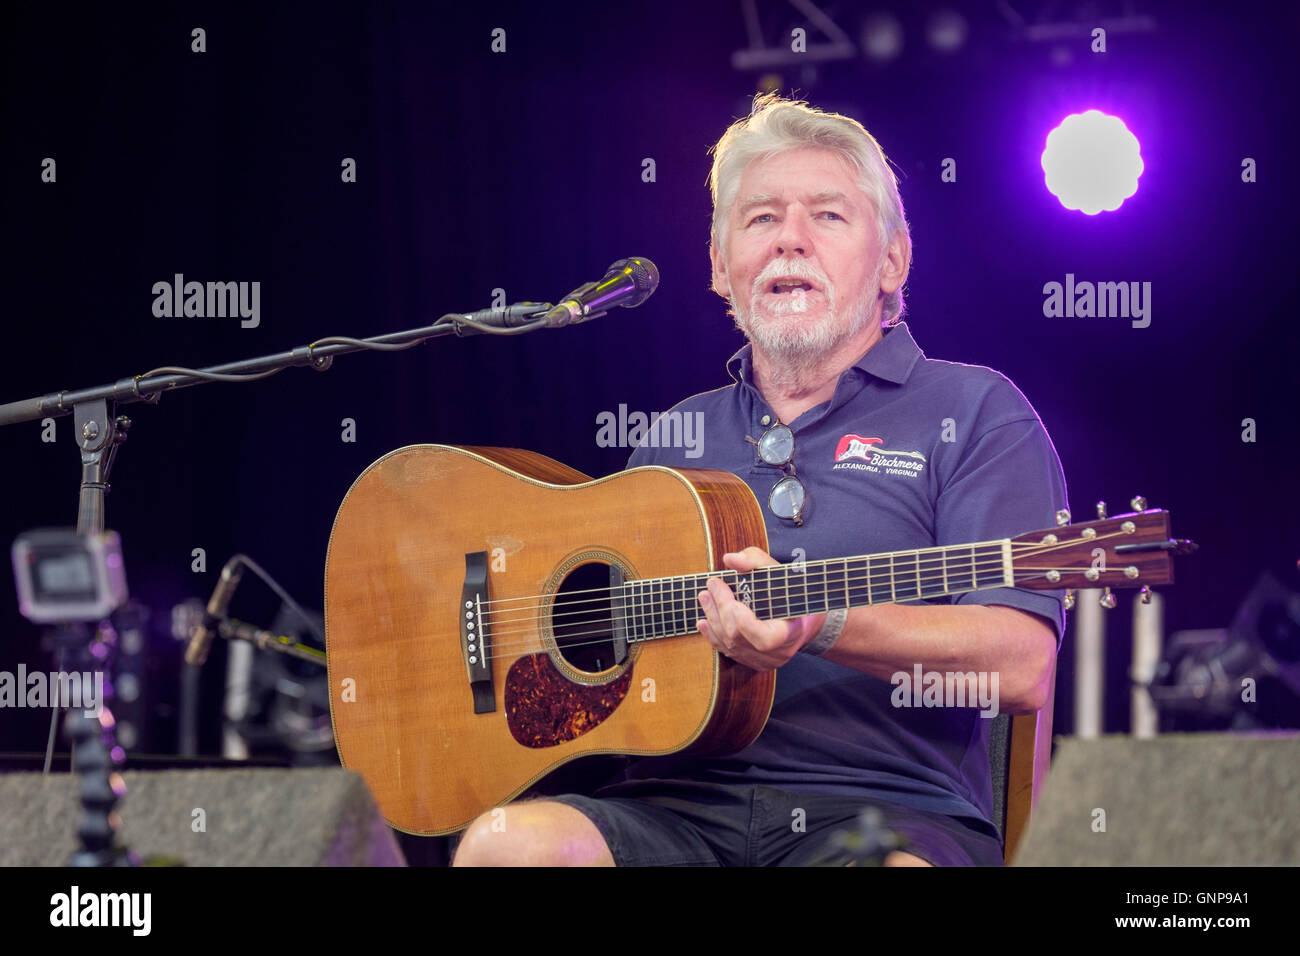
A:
(895, 452)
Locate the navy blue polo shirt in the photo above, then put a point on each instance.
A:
(909, 452)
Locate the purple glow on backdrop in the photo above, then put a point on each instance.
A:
(1092, 162)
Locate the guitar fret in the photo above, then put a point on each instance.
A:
(692, 605)
(921, 582)
(654, 608)
(627, 611)
(824, 605)
(676, 606)
(648, 608)
(693, 609)
(688, 595)
(688, 601)
(661, 622)
(900, 570)
(993, 575)
(640, 611)
(666, 601)
(668, 608)
(974, 582)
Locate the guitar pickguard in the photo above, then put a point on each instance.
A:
(544, 708)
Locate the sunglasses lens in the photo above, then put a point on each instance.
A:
(787, 498)
(777, 445)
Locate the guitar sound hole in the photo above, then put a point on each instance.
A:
(583, 619)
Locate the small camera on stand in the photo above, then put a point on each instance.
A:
(71, 581)
(64, 577)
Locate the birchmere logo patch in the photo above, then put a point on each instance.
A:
(860, 453)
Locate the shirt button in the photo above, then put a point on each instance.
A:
(765, 420)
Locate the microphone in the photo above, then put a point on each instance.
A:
(201, 636)
(628, 283)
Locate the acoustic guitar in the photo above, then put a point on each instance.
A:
(492, 614)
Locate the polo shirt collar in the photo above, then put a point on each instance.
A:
(891, 359)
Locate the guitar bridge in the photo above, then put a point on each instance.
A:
(475, 640)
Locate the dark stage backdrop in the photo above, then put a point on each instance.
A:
(525, 171)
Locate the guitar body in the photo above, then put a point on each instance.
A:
(403, 711)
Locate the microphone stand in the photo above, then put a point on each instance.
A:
(233, 629)
(93, 759)
(100, 431)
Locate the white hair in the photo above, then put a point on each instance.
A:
(776, 125)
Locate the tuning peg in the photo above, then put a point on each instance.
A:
(1062, 517)
(1144, 594)
(1069, 599)
(1107, 600)
(1138, 504)
(1101, 509)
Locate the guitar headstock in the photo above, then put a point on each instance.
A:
(1131, 550)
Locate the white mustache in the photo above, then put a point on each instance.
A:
(780, 271)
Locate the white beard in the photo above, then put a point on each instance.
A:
(797, 343)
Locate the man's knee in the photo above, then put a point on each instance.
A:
(903, 858)
(533, 833)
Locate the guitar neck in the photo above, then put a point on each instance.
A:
(653, 608)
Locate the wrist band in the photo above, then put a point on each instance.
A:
(828, 635)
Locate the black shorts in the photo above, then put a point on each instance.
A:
(687, 823)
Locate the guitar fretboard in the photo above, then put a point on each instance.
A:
(654, 608)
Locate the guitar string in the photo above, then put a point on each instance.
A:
(636, 602)
(939, 554)
(992, 550)
(604, 625)
(663, 607)
(606, 637)
(603, 596)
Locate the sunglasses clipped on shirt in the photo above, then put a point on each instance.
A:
(788, 495)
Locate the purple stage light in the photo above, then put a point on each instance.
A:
(1092, 162)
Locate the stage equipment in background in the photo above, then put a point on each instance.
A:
(301, 817)
(1092, 162)
(70, 580)
(1212, 800)
(1245, 676)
